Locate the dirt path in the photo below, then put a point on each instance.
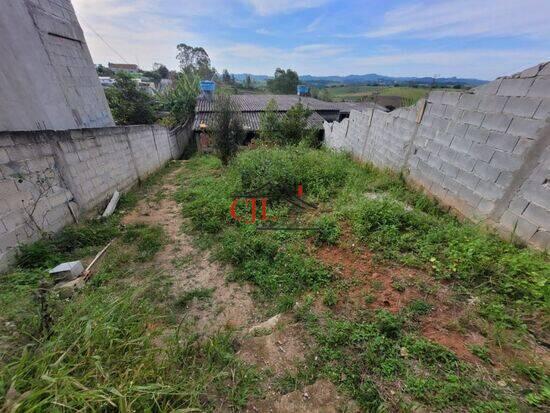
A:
(277, 345)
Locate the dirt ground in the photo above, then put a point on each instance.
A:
(278, 349)
(278, 345)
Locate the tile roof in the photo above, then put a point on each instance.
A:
(251, 120)
(128, 66)
(257, 103)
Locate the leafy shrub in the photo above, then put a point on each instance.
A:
(328, 230)
(129, 105)
(51, 251)
(278, 171)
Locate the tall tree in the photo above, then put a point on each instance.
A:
(284, 82)
(195, 60)
(226, 77)
(248, 82)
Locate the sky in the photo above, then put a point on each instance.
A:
(465, 38)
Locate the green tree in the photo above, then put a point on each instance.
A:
(325, 95)
(226, 128)
(129, 105)
(248, 82)
(104, 71)
(270, 125)
(284, 82)
(195, 60)
(294, 127)
(226, 77)
(181, 98)
(289, 129)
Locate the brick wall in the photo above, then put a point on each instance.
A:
(484, 153)
(46, 176)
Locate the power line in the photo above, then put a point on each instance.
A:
(102, 39)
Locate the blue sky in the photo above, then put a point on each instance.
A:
(466, 38)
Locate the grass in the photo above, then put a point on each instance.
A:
(121, 345)
(117, 345)
(367, 353)
(410, 95)
(201, 294)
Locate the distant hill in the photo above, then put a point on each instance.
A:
(372, 78)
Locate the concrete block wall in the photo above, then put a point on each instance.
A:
(484, 153)
(47, 176)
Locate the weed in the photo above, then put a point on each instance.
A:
(147, 239)
(418, 308)
(481, 351)
(182, 262)
(198, 293)
(398, 285)
(60, 247)
(328, 230)
(330, 298)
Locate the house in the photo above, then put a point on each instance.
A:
(124, 67)
(252, 106)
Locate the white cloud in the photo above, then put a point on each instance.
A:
(451, 18)
(272, 7)
(133, 29)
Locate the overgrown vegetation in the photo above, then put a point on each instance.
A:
(129, 105)
(118, 344)
(180, 99)
(226, 128)
(290, 128)
(370, 352)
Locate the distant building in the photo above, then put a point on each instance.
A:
(123, 67)
(252, 106)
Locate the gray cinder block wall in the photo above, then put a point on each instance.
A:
(46, 177)
(47, 77)
(485, 153)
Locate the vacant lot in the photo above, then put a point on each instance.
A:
(382, 302)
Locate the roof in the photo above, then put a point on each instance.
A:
(251, 120)
(127, 66)
(257, 103)
(347, 107)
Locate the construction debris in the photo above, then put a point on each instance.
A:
(112, 205)
(67, 271)
(91, 264)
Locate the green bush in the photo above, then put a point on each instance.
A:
(59, 247)
(278, 171)
(328, 230)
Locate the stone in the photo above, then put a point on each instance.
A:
(267, 325)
